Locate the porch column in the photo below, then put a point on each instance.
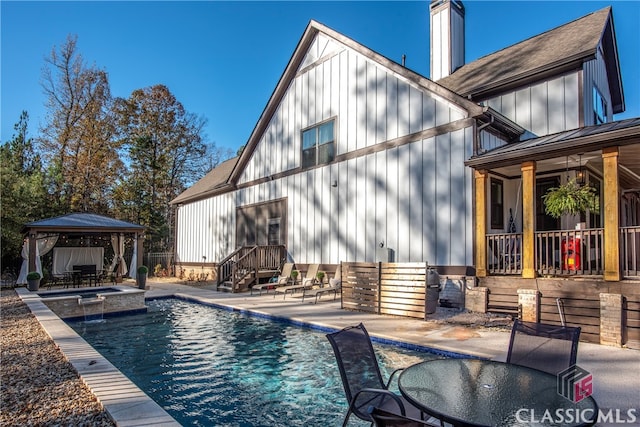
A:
(528, 219)
(481, 222)
(611, 197)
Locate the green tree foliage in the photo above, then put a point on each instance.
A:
(78, 138)
(166, 153)
(23, 194)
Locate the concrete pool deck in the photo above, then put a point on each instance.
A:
(616, 371)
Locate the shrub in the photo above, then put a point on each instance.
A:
(33, 275)
(143, 269)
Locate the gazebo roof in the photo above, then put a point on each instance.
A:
(83, 222)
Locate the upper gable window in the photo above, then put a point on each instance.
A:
(318, 144)
(599, 107)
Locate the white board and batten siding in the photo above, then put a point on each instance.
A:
(415, 198)
(554, 105)
(543, 108)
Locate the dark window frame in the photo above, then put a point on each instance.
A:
(496, 191)
(600, 113)
(322, 151)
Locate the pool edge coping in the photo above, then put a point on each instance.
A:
(125, 403)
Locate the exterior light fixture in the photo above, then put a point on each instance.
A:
(580, 175)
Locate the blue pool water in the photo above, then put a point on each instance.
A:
(211, 367)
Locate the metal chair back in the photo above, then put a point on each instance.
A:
(359, 369)
(548, 348)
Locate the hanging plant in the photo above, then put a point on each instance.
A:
(570, 199)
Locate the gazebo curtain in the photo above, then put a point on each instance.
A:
(133, 267)
(117, 243)
(44, 244)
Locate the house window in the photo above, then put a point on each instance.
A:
(599, 107)
(497, 204)
(318, 144)
(273, 232)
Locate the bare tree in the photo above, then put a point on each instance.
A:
(77, 139)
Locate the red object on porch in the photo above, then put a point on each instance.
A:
(571, 253)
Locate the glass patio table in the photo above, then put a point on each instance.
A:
(471, 392)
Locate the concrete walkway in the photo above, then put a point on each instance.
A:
(615, 371)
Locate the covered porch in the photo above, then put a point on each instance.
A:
(514, 235)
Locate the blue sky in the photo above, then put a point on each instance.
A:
(222, 60)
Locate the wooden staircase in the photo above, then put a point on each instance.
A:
(245, 266)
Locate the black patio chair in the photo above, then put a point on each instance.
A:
(382, 418)
(548, 348)
(361, 377)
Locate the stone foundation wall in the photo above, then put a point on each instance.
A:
(67, 306)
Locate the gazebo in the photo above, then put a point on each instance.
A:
(42, 236)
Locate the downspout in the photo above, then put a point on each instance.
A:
(482, 126)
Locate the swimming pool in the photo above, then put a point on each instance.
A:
(207, 366)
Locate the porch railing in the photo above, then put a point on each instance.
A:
(630, 251)
(504, 253)
(569, 252)
(561, 252)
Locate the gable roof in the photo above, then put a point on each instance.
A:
(292, 68)
(215, 180)
(83, 222)
(551, 53)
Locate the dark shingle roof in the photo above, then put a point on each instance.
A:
(215, 179)
(552, 52)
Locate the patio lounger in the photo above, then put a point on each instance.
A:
(283, 279)
(324, 290)
(334, 286)
(307, 282)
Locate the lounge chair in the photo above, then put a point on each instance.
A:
(335, 284)
(283, 279)
(307, 282)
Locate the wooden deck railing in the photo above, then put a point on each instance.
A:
(562, 252)
(630, 251)
(570, 252)
(246, 264)
(504, 253)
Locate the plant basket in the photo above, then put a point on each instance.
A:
(33, 281)
(141, 277)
